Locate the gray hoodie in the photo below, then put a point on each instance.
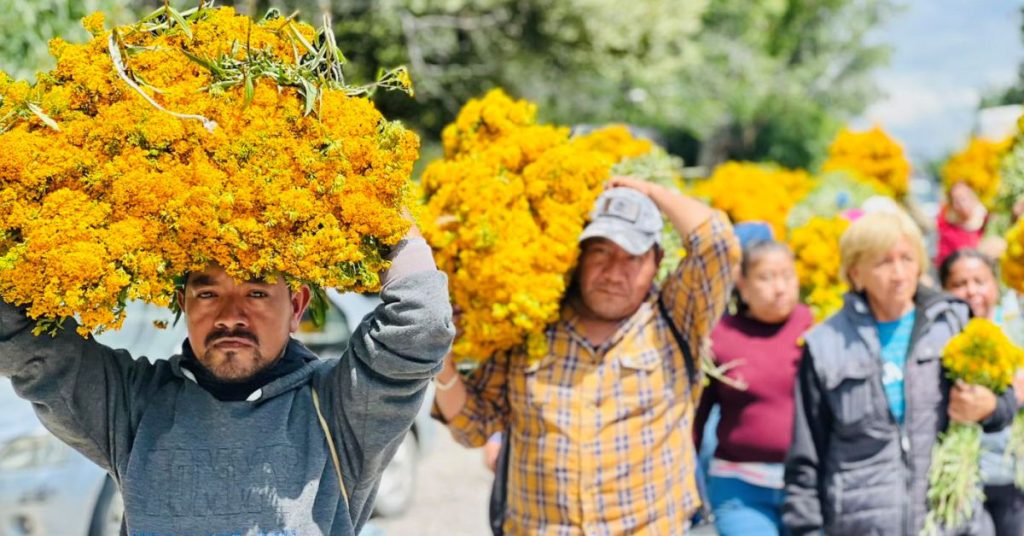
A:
(189, 464)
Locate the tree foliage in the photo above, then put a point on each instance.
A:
(28, 25)
(778, 77)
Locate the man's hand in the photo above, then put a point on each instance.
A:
(414, 231)
(971, 403)
(644, 187)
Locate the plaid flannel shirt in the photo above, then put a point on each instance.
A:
(601, 436)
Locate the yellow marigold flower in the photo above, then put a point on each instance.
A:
(982, 355)
(755, 192)
(977, 166)
(1012, 262)
(129, 194)
(94, 23)
(504, 209)
(816, 250)
(874, 157)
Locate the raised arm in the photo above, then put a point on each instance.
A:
(89, 396)
(378, 386)
(477, 407)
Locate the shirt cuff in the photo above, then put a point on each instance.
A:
(410, 256)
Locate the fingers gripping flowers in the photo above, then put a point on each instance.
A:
(106, 197)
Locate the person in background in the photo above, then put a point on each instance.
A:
(759, 345)
(599, 428)
(971, 276)
(872, 396)
(961, 222)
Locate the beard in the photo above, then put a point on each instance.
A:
(233, 364)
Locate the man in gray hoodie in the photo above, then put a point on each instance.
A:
(229, 437)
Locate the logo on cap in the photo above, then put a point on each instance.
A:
(621, 208)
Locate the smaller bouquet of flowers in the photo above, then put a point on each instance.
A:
(980, 355)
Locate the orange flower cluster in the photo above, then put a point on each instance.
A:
(977, 166)
(116, 179)
(1012, 263)
(754, 192)
(816, 250)
(874, 157)
(504, 209)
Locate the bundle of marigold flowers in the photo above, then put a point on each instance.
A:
(1012, 262)
(980, 355)
(816, 250)
(978, 167)
(755, 192)
(504, 209)
(874, 157)
(188, 139)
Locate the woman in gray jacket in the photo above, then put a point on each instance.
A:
(872, 396)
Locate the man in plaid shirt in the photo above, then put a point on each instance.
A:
(600, 427)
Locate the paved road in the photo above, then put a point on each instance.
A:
(452, 491)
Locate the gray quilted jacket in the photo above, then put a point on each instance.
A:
(852, 469)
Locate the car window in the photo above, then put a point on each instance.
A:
(141, 336)
(328, 340)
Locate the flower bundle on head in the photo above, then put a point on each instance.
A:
(504, 210)
(873, 157)
(816, 251)
(977, 166)
(980, 355)
(755, 192)
(191, 139)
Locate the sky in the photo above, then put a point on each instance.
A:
(945, 55)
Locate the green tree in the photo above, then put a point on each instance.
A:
(28, 25)
(779, 77)
(582, 61)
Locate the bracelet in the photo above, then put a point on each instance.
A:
(446, 386)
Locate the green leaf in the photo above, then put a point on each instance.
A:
(153, 15)
(310, 92)
(318, 306)
(209, 64)
(181, 21)
(298, 36)
(42, 116)
(250, 91)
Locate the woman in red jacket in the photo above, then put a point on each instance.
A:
(761, 345)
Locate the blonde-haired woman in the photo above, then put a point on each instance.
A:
(871, 396)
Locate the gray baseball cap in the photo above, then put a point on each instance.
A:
(626, 217)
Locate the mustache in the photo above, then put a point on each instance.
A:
(238, 333)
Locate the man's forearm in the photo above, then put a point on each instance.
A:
(684, 212)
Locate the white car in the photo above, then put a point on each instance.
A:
(49, 489)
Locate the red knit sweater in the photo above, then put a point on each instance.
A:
(757, 424)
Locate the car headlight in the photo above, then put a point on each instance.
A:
(28, 452)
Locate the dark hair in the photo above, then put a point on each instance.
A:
(946, 268)
(755, 249)
(752, 252)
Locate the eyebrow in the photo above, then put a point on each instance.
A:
(202, 280)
